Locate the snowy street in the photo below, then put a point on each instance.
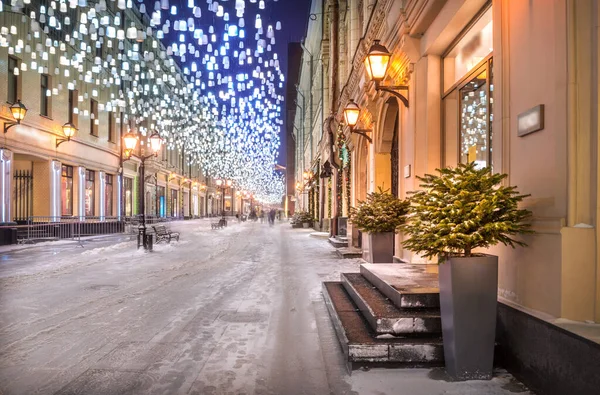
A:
(231, 311)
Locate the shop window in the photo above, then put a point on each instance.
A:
(128, 187)
(94, 121)
(13, 80)
(108, 195)
(45, 95)
(470, 50)
(174, 209)
(66, 191)
(468, 103)
(89, 193)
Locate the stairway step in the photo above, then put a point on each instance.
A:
(349, 252)
(406, 285)
(337, 243)
(383, 316)
(362, 348)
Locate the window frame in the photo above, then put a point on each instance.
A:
(73, 99)
(66, 172)
(94, 117)
(45, 101)
(90, 177)
(12, 77)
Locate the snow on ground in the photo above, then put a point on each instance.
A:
(237, 310)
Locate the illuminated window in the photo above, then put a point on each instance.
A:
(128, 187)
(66, 191)
(89, 193)
(108, 195)
(468, 99)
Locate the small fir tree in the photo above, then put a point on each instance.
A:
(381, 212)
(461, 209)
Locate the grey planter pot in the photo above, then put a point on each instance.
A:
(305, 224)
(468, 301)
(378, 247)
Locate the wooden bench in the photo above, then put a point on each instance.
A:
(162, 233)
(219, 225)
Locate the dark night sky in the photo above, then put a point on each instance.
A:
(293, 15)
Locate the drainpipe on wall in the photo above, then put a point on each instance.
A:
(334, 103)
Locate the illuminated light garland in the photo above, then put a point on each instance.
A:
(222, 107)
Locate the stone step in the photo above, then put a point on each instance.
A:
(383, 316)
(406, 285)
(363, 348)
(338, 242)
(349, 252)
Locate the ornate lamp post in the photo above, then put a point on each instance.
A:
(130, 141)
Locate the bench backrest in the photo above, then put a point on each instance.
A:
(160, 229)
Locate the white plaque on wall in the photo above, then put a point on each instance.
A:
(530, 121)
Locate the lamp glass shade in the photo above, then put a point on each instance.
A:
(69, 130)
(130, 140)
(351, 113)
(219, 182)
(155, 142)
(228, 183)
(377, 61)
(18, 111)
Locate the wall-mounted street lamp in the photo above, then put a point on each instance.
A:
(351, 113)
(376, 64)
(18, 111)
(69, 131)
(130, 141)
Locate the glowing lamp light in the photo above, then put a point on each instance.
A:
(219, 182)
(155, 142)
(351, 113)
(69, 130)
(377, 61)
(18, 111)
(130, 141)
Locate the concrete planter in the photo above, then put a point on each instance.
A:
(468, 299)
(305, 224)
(378, 247)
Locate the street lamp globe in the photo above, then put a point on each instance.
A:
(219, 182)
(18, 111)
(377, 61)
(69, 130)
(155, 142)
(130, 141)
(228, 183)
(351, 113)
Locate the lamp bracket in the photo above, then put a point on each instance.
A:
(393, 90)
(363, 132)
(8, 125)
(60, 141)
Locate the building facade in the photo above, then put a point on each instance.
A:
(47, 176)
(508, 84)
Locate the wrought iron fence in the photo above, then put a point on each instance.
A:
(48, 228)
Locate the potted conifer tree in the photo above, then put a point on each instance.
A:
(378, 217)
(456, 212)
